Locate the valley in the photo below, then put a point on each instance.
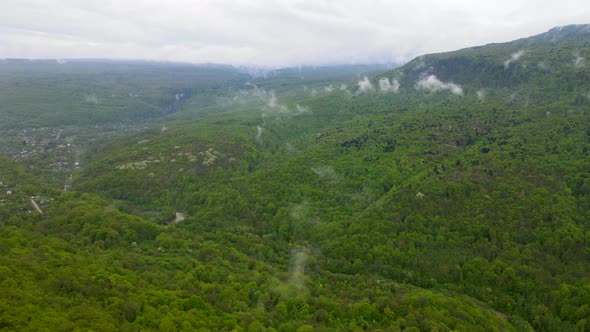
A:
(451, 193)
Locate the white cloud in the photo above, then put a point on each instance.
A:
(543, 65)
(272, 32)
(92, 99)
(326, 172)
(513, 58)
(301, 109)
(388, 86)
(433, 84)
(273, 104)
(273, 110)
(579, 62)
(365, 85)
(259, 130)
(481, 95)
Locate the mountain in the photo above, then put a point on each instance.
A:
(534, 68)
(451, 193)
(574, 32)
(41, 93)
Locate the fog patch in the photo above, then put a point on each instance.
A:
(274, 110)
(295, 284)
(290, 148)
(542, 65)
(329, 88)
(512, 97)
(299, 211)
(579, 62)
(273, 104)
(366, 196)
(297, 273)
(259, 130)
(481, 95)
(388, 86)
(420, 62)
(343, 87)
(326, 172)
(91, 99)
(513, 58)
(433, 84)
(365, 85)
(518, 98)
(302, 109)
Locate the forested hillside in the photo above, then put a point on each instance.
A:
(450, 194)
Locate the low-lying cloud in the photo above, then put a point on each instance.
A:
(388, 86)
(579, 62)
(273, 110)
(273, 104)
(433, 84)
(513, 58)
(365, 85)
(259, 130)
(481, 95)
(92, 99)
(302, 109)
(297, 273)
(326, 172)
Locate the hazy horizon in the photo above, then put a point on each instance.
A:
(277, 33)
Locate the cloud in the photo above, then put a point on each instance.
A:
(295, 286)
(365, 85)
(259, 130)
(297, 273)
(481, 95)
(326, 172)
(386, 86)
(579, 62)
(273, 110)
(299, 211)
(543, 65)
(273, 104)
(433, 84)
(255, 32)
(513, 58)
(92, 99)
(302, 109)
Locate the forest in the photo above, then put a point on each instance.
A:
(449, 194)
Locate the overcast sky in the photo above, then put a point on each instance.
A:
(270, 32)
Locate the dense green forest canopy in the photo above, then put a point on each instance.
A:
(450, 194)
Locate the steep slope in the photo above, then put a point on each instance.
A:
(543, 69)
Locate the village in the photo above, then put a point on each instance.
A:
(43, 150)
